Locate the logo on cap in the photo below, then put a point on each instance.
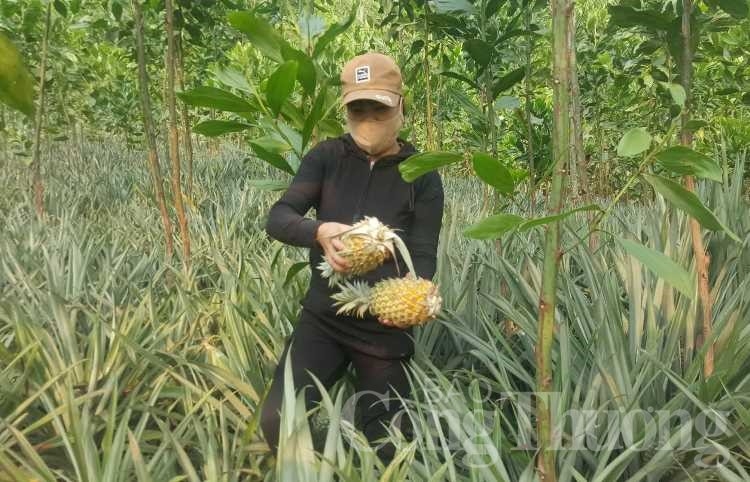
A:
(362, 74)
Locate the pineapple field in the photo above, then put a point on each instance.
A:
(588, 317)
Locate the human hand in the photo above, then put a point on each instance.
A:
(327, 237)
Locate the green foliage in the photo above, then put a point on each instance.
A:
(663, 266)
(272, 157)
(685, 161)
(479, 51)
(492, 172)
(678, 94)
(16, 83)
(683, 199)
(132, 370)
(213, 128)
(454, 6)
(626, 16)
(216, 98)
(259, 33)
(736, 8)
(420, 164)
(498, 225)
(280, 85)
(333, 32)
(494, 226)
(87, 294)
(289, 119)
(507, 81)
(634, 142)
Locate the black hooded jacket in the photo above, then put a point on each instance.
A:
(336, 179)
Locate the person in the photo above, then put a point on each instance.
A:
(345, 179)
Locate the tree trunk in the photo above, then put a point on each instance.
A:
(527, 105)
(174, 141)
(594, 236)
(148, 128)
(488, 109)
(187, 140)
(562, 23)
(36, 168)
(212, 143)
(577, 161)
(702, 259)
(439, 109)
(428, 87)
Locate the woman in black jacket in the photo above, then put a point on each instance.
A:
(345, 179)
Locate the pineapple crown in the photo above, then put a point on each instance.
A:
(382, 237)
(353, 297)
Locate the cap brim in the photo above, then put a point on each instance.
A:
(383, 96)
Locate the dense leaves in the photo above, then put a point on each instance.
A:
(685, 161)
(16, 83)
(264, 37)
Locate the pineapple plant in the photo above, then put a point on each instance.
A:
(367, 245)
(405, 301)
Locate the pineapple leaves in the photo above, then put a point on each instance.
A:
(293, 271)
(662, 265)
(497, 225)
(404, 252)
(353, 297)
(688, 202)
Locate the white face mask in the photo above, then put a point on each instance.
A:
(376, 136)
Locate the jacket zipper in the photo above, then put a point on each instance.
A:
(358, 212)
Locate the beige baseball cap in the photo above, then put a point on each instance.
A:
(371, 76)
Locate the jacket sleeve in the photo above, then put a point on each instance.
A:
(425, 229)
(286, 218)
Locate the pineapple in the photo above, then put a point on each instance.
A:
(367, 245)
(404, 301)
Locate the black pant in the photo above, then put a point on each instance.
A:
(315, 350)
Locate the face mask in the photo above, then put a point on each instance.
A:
(375, 136)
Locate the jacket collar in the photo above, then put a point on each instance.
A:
(407, 149)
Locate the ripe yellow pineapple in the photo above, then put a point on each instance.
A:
(367, 245)
(404, 301)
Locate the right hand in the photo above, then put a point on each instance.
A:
(327, 237)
